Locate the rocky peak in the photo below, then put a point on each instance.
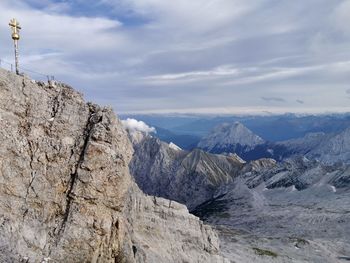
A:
(228, 135)
(66, 194)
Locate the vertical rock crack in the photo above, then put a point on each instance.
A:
(93, 119)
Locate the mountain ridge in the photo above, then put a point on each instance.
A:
(325, 147)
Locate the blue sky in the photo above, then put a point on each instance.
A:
(198, 56)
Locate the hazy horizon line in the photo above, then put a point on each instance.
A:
(236, 113)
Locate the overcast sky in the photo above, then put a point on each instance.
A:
(193, 56)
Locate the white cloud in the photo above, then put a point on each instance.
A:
(50, 40)
(156, 55)
(225, 70)
(187, 16)
(132, 126)
(230, 75)
(63, 32)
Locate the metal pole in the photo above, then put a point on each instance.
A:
(15, 36)
(16, 57)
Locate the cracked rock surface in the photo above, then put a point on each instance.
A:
(66, 194)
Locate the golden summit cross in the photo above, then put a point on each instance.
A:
(15, 29)
(15, 36)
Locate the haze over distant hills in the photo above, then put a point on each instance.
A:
(236, 138)
(280, 136)
(271, 128)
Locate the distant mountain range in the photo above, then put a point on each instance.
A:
(193, 177)
(236, 138)
(270, 127)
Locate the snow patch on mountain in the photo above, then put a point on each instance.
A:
(174, 146)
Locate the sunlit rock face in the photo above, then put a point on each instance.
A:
(66, 194)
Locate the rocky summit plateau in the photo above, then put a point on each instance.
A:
(66, 194)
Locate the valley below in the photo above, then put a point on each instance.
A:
(282, 225)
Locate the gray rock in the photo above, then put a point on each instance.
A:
(66, 194)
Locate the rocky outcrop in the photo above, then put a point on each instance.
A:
(66, 194)
(164, 231)
(190, 178)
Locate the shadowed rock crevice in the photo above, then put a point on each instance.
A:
(56, 104)
(94, 118)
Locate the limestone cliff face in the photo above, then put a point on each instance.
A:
(65, 190)
(164, 231)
